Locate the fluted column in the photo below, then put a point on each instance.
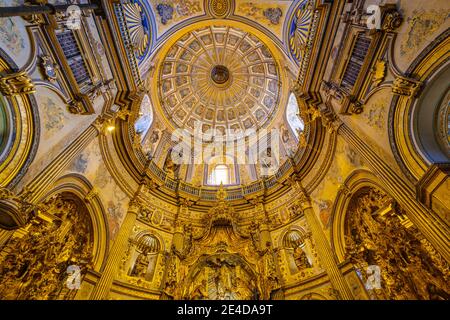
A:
(116, 253)
(326, 255)
(429, 223)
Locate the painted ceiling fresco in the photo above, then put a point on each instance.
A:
(147, 24)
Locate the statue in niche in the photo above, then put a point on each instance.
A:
(300, 258)
(150, 143)
(170, 166)
(141, 265)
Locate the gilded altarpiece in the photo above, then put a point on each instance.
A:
(38, 260)
(221, 260)
(379, 234)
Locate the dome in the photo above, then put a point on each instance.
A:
(219, 78)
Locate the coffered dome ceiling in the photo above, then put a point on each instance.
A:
(221, 77)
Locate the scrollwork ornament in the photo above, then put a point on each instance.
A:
(406, 87)
(392, 21)
(16, 83)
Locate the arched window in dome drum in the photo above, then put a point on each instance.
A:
(292, 115)
(220, 174)
(145, 120)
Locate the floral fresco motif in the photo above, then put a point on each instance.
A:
(10, 36)
(54, 116)
(422, 25)
(174, 10)
(375, 114)
(325, 212)
(257, 12)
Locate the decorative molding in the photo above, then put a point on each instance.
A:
(404, 86)
(16, 83)
(220, 8)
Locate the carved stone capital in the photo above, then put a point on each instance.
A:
(15, 211)
(406, 86)
(135, 205)
(16, 83)
(392, 20)
(91, 195)
(330, 119)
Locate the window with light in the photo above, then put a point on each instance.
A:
(220, 174)
(293, 118)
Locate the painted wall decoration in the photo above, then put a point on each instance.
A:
(13, 35)
(345, 161)
(375, 114)
(261, 12)
(53, 115)
(90, 164)
(299, 30)
(170, 12)
(421, 26)
(165, 12)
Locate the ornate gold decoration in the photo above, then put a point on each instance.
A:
(379, 72)
(35, 18)
(76, 106)
(16, 83)
(376, 236)
(35, 266)
(392, 20)
(48, 67)
(406, 86)
(20, 209)
(220, 8)
(91, 194)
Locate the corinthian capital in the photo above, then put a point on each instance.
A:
(16, 83)
(135, 204)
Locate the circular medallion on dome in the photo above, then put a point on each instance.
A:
(220, 78)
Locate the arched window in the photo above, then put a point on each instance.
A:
(220, 174)
(292, 115)
(145, 120)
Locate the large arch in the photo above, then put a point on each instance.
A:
(21, 131)
(370, 230)
(66, 236)
(357, 180)
(80, 188)
(411, 119)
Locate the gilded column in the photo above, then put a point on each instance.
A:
(326, 255)
(116, 253)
